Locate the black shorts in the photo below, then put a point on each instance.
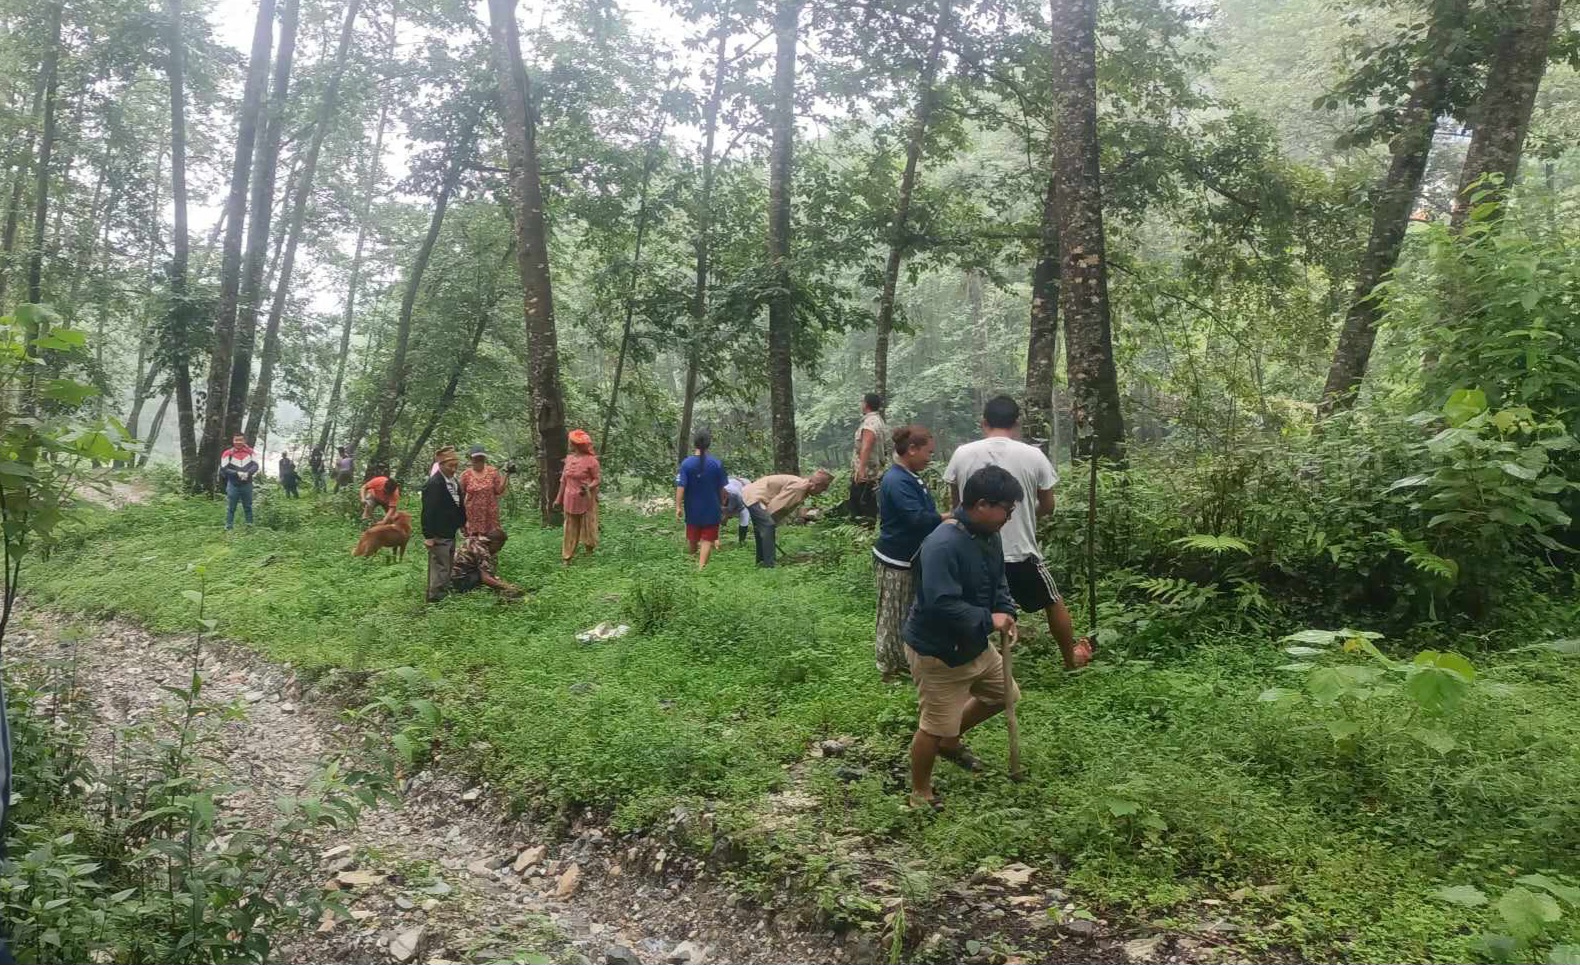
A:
(1031, 584)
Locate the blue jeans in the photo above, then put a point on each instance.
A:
(236, 492)
(763, 529)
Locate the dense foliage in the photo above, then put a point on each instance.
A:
(1289, 287)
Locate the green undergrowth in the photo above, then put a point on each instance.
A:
(1155, 785)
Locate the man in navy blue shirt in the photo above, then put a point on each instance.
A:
(961, 600)
(700, 497)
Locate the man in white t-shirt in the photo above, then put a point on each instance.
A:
(1029, 581)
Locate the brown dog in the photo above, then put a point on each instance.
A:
(392, 534)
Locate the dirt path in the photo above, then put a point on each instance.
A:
(444, 875)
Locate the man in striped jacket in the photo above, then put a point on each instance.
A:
(237, 466)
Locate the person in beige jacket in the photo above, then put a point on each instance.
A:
(771, 498)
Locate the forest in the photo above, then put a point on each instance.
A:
(1286, 290)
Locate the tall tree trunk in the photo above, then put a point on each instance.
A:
(46, 144)
(1391, 204)
(13, 211)
(265, 169)
(298, 217)
(368, 187)
(899, 226)
(1504, 114)
(1083, 260)
(446, 397)
(648, 164)
(704, 240)
(180, 326)
(781, 307)
(213, 441)
(153, 430)
(394, 392)
(1042, 346)
(532, 250)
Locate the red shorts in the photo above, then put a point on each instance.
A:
(702, 534)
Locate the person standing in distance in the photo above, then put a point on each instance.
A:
(871, 458)
(700, 498)
(443, 512)
(237, 466)
(1029, 580)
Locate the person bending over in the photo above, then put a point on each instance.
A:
(771, 499)
(476, 563)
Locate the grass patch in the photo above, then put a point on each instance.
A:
(1155, 785)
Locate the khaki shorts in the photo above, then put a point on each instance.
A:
(942, 691)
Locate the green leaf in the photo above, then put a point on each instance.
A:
(1464, 405)
(61, 339)
(1564, 955)
(1321, 638)
(1343, 729)
(194, 596)
(1326, 685)
(1520, 472)
(1410, 482)
(1569, 646)
(1273, 694)
(1435, 688)
(68, 391)
(1435, 739)
(1527, 912)
(1559, 890)
(1467, 895)
(1120, 808)
(1304, 651)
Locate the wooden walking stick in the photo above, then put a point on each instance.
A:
(1006, 649)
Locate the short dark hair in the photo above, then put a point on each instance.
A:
(1001, 412)
(992, 484)
(496, 538)
(874, 401)
(703, 440)
(390, 485)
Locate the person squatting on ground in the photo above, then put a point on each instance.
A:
(1029, 580)
(380, 491)
(871, 456)
(476, 563)
(962, 599)
(578, 496)
(735, 505)
(770, 499)
(289, 480)
(700, 497)
(906, 515)
(237, 466)
(482, 485)
(443, 513)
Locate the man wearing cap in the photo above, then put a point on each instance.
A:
(443, 512)
(481, 486)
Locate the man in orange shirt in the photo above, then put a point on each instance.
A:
(380, 491)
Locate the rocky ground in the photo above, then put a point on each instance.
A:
(445, 873)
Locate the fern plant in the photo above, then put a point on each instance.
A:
(1215, 544)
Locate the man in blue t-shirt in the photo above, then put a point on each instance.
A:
(700, 496)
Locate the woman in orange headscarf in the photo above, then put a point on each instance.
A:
(579, 496)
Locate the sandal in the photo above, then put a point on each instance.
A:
(962, 758)
(934, 803)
